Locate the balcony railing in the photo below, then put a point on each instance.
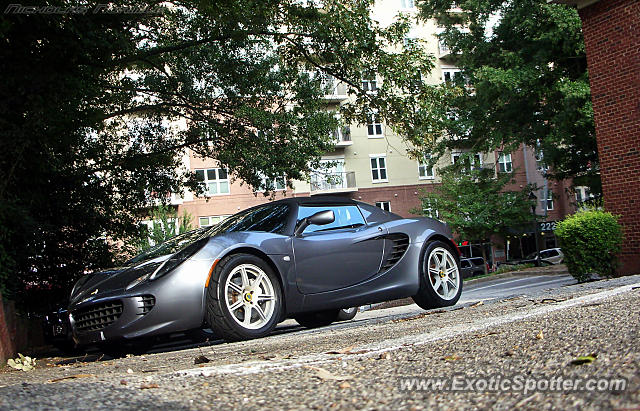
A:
(336, 90)
(342, 136)
(333, 182)
(444, 49)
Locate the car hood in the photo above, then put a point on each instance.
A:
(112, 279)
(117, 279)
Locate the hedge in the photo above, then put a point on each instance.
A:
(590, 241)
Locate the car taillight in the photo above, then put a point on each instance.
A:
(456, 247)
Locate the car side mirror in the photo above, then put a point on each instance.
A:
(319, 218)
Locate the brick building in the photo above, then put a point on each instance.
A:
(611, 31)
(372, 164)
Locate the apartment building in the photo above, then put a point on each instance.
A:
(370, 163)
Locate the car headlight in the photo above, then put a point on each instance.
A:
(142, 278)
(79, 284)
(178, 258)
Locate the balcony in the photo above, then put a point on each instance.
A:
(336, 90)
(333, 182)
(342, 137)
(444, 50)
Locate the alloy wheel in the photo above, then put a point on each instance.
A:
(443, 273)
(250, 296)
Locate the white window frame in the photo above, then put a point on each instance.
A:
(504, 160)
(452, 71)
(549, 200)
(263, 184)
(407, 4)
(381, 204)
(430, 212)
(209, 219)
(378, 168)
(583, 194)
(217, 181)
(457, 155)
(424, 167)
(370, 85)
(373, 125)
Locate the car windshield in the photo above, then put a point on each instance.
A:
(268, 218)
(170, 246)
(271, 218)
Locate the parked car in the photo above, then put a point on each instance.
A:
(547, 257)
(472, 266)
(304, 258)
(552, 256)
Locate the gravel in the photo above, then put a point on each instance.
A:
(359, 366)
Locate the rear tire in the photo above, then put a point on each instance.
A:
(244, 299)
(317, 319)
(440, 280)
(347, 314)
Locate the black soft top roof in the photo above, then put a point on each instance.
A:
(318, 200)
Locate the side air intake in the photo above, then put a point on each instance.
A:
(397, 244)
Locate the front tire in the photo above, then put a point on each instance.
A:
(244, 298)
(440, 280)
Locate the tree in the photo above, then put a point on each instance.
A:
(91, 97)
(475, 203)
(165, 224)
(523, 80)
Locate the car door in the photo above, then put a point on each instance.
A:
(336, 255)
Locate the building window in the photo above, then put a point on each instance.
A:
(379, 168)
(215, 180)
(504, 163)
(583, 194)
(477, 160)
(425, 171)
(428, 210)
(276, 184)
(549, 198)
(211, 220)
(449, 74)
(374, 126)
(385, 205)
(370, 86)
(407, 4)
(540, 164)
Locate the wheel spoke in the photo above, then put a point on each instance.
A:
(264, 297)
(247, 316)
(438, 262)
(445, 289)
(235, 287)
(454, 286)
(260, 312)
(235, 305)
(451, 270)
(256, 282)
(245, 278)
(437, 284)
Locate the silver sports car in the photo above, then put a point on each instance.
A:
(303, 258)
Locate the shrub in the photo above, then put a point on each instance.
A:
(590, 241)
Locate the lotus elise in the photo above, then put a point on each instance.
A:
(306, 258)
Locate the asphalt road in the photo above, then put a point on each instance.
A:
(531, 329)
